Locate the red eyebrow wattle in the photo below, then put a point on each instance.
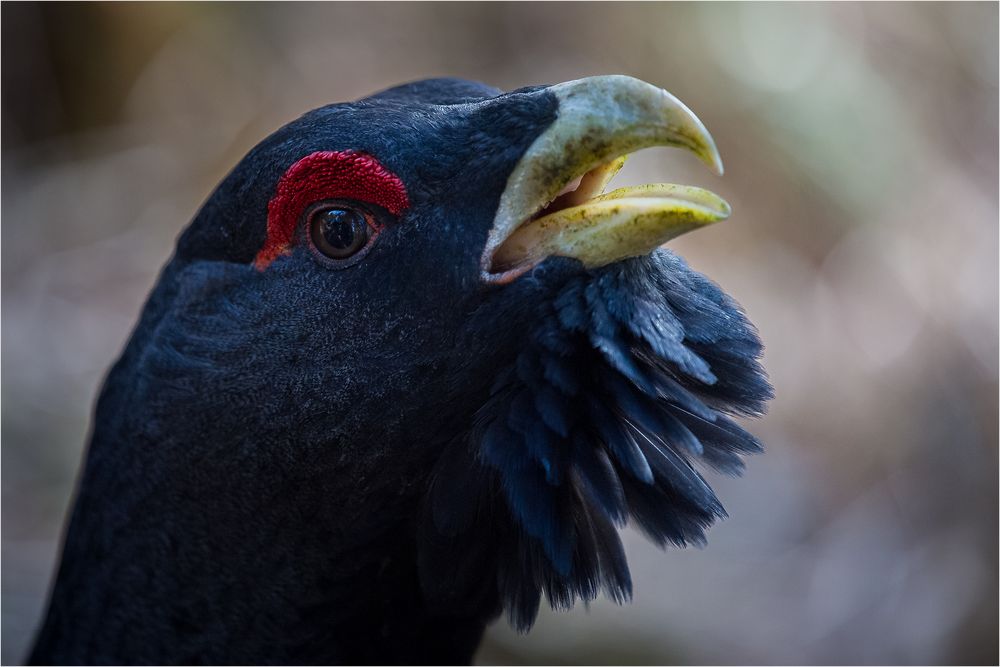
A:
(326, 175)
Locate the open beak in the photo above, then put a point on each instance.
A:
(554, 203)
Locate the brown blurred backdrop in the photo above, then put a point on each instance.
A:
(860, 144)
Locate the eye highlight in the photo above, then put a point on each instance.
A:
(340, 233)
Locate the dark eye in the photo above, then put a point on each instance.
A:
(339, 232)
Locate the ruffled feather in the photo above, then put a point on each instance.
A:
(625, 381)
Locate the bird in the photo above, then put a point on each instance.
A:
(411, 367)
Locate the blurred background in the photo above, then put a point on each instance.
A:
(860, 143)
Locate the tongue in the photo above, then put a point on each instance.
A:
(570, 187)
(582, 188)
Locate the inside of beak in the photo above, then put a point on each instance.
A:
(596, 228)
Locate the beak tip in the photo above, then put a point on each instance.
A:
(711, 156)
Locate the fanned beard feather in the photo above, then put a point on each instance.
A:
(629, 377)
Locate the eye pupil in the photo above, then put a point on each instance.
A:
(339, 233)
(342, 228)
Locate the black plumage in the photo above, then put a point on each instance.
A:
(294, 464)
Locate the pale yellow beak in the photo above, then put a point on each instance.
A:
(553, 203)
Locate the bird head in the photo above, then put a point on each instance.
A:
(427, 294)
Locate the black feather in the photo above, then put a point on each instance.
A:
(622, 384)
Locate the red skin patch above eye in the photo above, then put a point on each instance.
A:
(326, 175)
